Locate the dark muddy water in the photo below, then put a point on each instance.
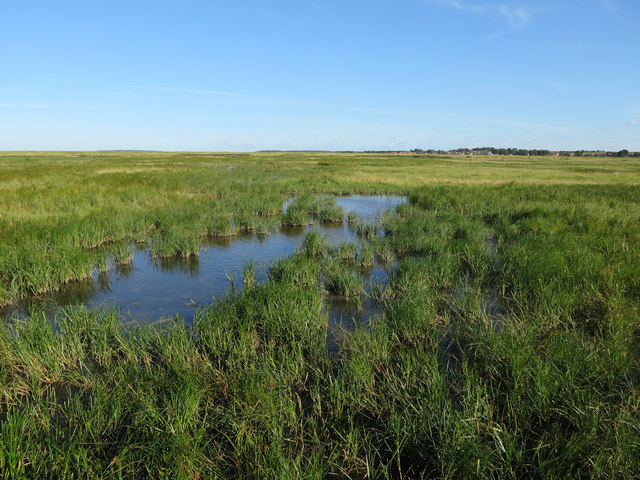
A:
(151, 289)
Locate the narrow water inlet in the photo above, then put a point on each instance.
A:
(151, 289)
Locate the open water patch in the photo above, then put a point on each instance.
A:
(149, 289)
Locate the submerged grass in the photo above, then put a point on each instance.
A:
(440, 386)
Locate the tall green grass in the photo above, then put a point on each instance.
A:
(436, 387)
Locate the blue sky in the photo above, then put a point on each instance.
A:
(313, 74)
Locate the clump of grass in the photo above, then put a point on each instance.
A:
(331, 214)
(7, 296)
(313, 244)
(123, 254)
(321, 208)
(298, 269)
(381, 292)
(264, 228)
(294, 218)
(297, 212)
(102, 263)
(245, 222)
(175, 244)
(249, 274)
(342, 280)
(220, 226)
(384, 253)
(366, 255)
(402, 209)
(367, 229)
(346, 252)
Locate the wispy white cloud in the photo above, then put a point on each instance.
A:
(514, 16)
(460, 6)
(632, 122)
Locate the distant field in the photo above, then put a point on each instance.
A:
(507, 343)
(399, 170)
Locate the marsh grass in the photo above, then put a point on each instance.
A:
(384, 252)
(346, 251)
(343, 280)
(368, 229)
(314, 244)
(432, 389)
(54, 205)
(309, 209)
(365, 256)
(220, 226)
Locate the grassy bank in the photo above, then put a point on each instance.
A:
(507, 347)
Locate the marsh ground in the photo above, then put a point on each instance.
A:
(435, 387)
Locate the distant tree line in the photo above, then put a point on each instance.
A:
(485, 151)
(525, 152)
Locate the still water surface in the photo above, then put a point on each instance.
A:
(151, 289)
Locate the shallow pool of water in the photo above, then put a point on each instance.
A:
(150, 289)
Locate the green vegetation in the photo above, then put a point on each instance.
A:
(545, 385)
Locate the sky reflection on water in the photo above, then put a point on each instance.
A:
(150, 289)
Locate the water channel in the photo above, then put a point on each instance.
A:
(150, 289)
